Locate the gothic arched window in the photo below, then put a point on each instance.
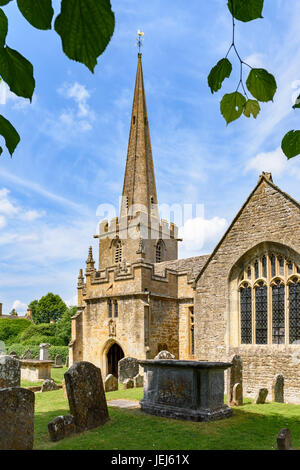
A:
(159, 251)
(109, 305)
(270, 300)
(118, 252)
(294, 307)
(116, 312)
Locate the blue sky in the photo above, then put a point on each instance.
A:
(74, 135)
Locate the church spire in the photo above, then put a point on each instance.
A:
(139, 189)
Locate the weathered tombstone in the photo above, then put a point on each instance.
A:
(237, 399)
(128, 367)
(138, 380)
(111, 383)
(16, 418)
(284, 441)
(60, 427)
(27, 354)
(64, 388)
(10, 372)
(67, 362)
(234, 376)
(86, 396)
(164, 355)
(49, 385)
(278, 389)
(14, 354)
(44, 351)
(261, 396)
(128, 383)
(58, 360)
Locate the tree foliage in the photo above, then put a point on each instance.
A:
(85, 28)
(49, 307)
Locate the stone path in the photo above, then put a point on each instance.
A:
(124, 403)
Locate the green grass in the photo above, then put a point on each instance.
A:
(251, 427)
(56, 374)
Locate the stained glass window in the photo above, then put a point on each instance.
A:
(294, 304)
(246, 314)
(256, 269)
(264, 266)
(278, 309)
(249, 273)
(281, 265)
(273, 265)
(290, 266)
(261, 311)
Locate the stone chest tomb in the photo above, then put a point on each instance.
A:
(188, 390)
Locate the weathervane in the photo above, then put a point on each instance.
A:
(139, 40)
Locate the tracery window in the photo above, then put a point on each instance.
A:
(269, 299)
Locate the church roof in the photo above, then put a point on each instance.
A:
(139, 187)
(190, 265)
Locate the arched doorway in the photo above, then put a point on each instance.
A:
(114, 354)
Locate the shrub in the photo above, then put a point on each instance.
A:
(11, 329)
(43, 329)
(38, 339)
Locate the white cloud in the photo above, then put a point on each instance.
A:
(12, 210)
(6, 206)
(31, 215)
(201, 235)
(19, 306)
(256, 60)
(274, 162)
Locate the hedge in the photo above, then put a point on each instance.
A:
(35, 350)
(12, 328)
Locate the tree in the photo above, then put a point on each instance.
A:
(63, 326)
(49, 307)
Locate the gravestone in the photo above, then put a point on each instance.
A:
(27, 355)
(234, 376)
(14, 354)
(128, 367)
(67, 362)
(86, 396)
(16, 418)
(284, 441)
(10, 372)
(278, 389)
(138, 380)
(111, 383)
(237, 395)
(61, 427)
(58, 360)
(164, 355)
(49, 385)
(261, 396)
(128, 383)
(44, 351)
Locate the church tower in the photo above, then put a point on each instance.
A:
(138, 235)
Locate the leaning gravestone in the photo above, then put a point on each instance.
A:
(164, 355)
(86, 396)
(16, 418)
(278, 389)
(27, 354)
(128, 367)
(10, 372)
(237, 398)
(138, 380)
(261, 396)
(111, 383)
(234, 376)
(284, 441)
(58, 360)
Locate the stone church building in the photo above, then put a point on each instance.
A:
(242, 299)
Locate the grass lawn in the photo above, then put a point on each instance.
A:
(251, 427)
(56, 374)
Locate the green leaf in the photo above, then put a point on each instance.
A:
(261, 84)
(246, 10)
(218, 74)
(17, 72)
(252, 107)
(232, 106)
(291, 144)
(38, 13)
(85, 28)
(10, 135)
(297, 104)
(4, 2)
(3, 27)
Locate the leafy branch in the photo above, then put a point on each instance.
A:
(85, 28)
(260, 83)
